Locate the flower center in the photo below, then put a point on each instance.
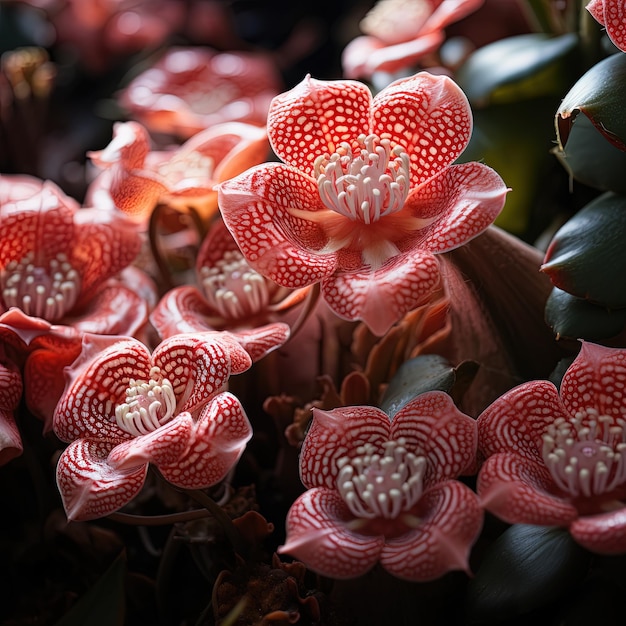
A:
(366, 183)
(587, 455)
(43, 292)
(375, 485)
(148, 405)
(233, 288)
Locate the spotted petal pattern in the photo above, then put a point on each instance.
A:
(612, 15)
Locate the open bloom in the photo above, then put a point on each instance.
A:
(190, 89)
(612, 15)
(366, 195)
(124, 408)
(400, 32)
(559, 458)
(384, 490)
(135, 178)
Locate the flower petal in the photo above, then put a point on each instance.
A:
(382, 297)
(450, 522)
(602, 534)
(517, 421)
(259, 342)
(217, 441)
(429, 116)
(596, 379)
(612, 14)
(335, 434)
(182, 310)
(89, 486)
(519, 490)
(10, 439)
(256, 209)
(318, 534)
(461, 203)
(436, 429)
(315, 117)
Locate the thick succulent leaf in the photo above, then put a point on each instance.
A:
(518, 68)
(598, 94)
(602, 534)
(586, 256)
(451, 520)
(591, 159)
(319, 535)
(526, 568)
(335, 434)
(575, 318)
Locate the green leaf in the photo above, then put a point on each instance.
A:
(103, 604)
(587, 256)
(519, 68)
(526, 568)
(574, 318)
(428, 372)
(599, 94)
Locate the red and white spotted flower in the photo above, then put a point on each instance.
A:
(382, 490)
(558, 458)
(612, 15)
(366, 196)
(124, 408)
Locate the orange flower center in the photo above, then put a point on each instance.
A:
(367, 183)
(381, 485)
(148, 405)
(587, 455)
(46, 292)
(233, 288)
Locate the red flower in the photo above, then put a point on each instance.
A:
(136, 179)
(612, 15)
(10, 396)
(384, 490)
(400, 32)
(124, 408)
(558, 458)
(190, 89)
(367, 195)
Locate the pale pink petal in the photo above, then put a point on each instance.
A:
(18, 329)
(611, 14)
(335, 434)
(450, 520)
(319, 535)
(257, 208)
(89, 486)
(164, 445)
(433, 427)
(382, 297)
(129, 147)
(259, 342)
(429, 116)
(596, 380)
(519, 490)
(199, 365)
(315, 117)
(183, 310)
(461, 202)
(10, 439)
(365, 55)
(217, 441)
(106, 364)
(517, 421)
(601, 534)
(450, 11)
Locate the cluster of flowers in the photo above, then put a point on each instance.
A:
(364, 200)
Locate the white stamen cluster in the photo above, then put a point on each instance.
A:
(46, 292)
(586, 456)
(148, 405)
(365, 184)
(233, 288)
(381, 485)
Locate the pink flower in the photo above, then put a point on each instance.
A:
(400, 32)
(384, 490)
(136, 179)
(125, 408)
(558, 458)
(190, 89)
(612, 15)
(366, 196)
(230, 296)
(10, 396)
